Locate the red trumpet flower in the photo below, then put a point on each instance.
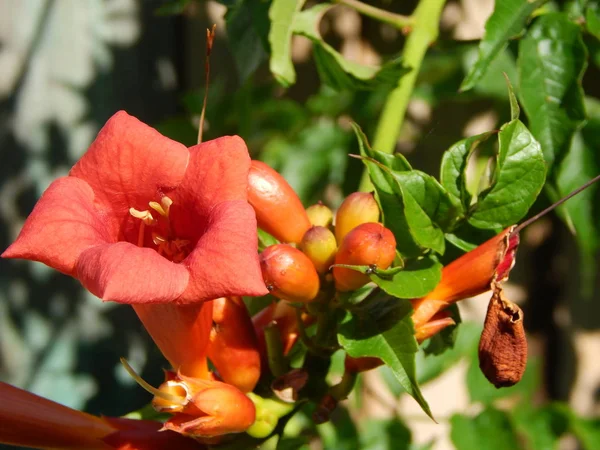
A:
(142, 219)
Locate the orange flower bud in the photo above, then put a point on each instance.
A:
(437, 323)
(319, 215)
(278, 209)
(367, 244)
(357, 208)
(320, 246)
(233, 348)
(289, 274)
(469, 275)
(204, 408)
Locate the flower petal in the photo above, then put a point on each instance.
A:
(125, 273)
(217, 172)
(62, 225)
(225, 260)
(130, 164)
(32, 421)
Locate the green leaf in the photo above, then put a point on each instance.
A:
(552, 60)
(507, 21)
(247, 25)
(587, 431)
(518, 179)
(394, 191)
(577, 167)
(490, 430)
(431, 196)
(391, 204)
(421, 196)
(265, 240)
(314, 158)
(515, 111)
(343, 435)
(592, 20)
(395, 346)
(337, 71)
(453, 171)
(384, 434)
(541, 427)
(282, 14)
(481, 390)
(418, 278)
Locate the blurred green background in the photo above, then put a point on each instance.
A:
(67, 65)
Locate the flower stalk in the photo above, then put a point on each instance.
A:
(424, 31)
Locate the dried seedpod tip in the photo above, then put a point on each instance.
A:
(503, 344)
(151, 389)
(210, 37)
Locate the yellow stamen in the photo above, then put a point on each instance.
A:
(166, 203)
(158, 208)
(144, 216)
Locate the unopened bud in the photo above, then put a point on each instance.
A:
(437, 323)
(319, 215)
(278, 209)
(320, 246)
(289, 274)
(233, 347)
(356, 209)
(366, 245)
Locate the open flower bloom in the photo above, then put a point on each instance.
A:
(142, 219)
(29, 420)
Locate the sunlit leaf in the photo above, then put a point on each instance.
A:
(552, 60)
(282, 14)
(507, 21)
(334, 69)
(491, 429)
(453, 174)
(396, 346)
(517, 180)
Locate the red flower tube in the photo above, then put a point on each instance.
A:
(29, 420)
(469, 275)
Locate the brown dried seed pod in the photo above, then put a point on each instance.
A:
(503, 344)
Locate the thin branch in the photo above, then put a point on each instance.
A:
(425, 30)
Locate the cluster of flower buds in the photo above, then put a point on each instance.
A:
(305, 263)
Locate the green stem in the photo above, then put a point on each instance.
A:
(396, 20)
(424, 32)
(277, 362)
